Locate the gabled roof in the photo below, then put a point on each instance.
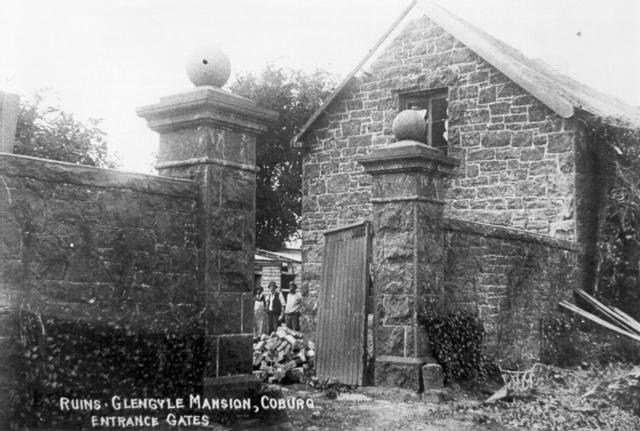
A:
(561, 94)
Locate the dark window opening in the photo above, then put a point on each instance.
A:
(434, 103)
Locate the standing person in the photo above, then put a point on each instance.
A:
(275, 307)
(259, 312)
(293, 307)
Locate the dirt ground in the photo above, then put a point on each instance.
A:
(376, 408)
(557, 404)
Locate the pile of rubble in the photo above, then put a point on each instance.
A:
(282, 356)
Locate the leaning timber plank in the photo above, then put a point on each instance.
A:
(604, 309)
(598, 320)
(628, 318)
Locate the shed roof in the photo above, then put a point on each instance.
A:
(281, 256)
(561, 94)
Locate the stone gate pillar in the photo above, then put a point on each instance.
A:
(209, 135)
(408, 203)
(9, 108)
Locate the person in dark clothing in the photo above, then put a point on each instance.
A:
(275, 307)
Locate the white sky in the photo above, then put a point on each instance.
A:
(104, 58)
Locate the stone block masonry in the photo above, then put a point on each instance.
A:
(517, 158)
(80, 234)
(97, 246)
(513, 280)
(209, 135)
(409, 180)
(424, 263)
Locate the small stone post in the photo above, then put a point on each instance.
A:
(408, 203)
(9, 107)
(209, 135)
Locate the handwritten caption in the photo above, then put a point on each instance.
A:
(170, 409)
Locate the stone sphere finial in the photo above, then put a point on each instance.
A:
(409, 125)
(208, 65)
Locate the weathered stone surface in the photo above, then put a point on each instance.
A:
(399, 372)
(79, 175)
(432, 376)
(206, 105)
(248, 303)
(225, 314)
(560, 142)
(522, 139)
(395, 217)
(481, 155)
(511, 278)
(234, 354)
(390, 340)
(398, 309)
(395, 246)
(487, 95)
(235, 281)
(496, 139)
(395, 277)
(530, 154)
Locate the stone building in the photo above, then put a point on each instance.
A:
(518, 132)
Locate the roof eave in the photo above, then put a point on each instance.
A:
(296, 141)
(522, 75)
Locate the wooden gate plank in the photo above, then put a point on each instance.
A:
(342, 313)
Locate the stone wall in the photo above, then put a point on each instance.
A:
(512, 279)
(517, 157)
(82, 243)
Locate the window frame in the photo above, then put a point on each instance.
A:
(428, 96)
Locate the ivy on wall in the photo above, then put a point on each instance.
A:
(456, 341)
(56, 358)
(617, 277)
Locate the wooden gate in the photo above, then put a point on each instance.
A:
(342, 309)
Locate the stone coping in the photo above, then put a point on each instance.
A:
(206, 161)
(112, 316)
(489, 230)
(61, 172)
(206, 104)
(401, 360)
(406, 156)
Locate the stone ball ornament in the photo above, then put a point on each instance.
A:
(208, 65)
(409, 125)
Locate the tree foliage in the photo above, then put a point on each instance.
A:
(295, 95)
(49, 132)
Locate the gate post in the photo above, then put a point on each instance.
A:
(209, 135)
(408, 202)
(9, 108)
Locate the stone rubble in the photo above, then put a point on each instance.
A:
(283, 356)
